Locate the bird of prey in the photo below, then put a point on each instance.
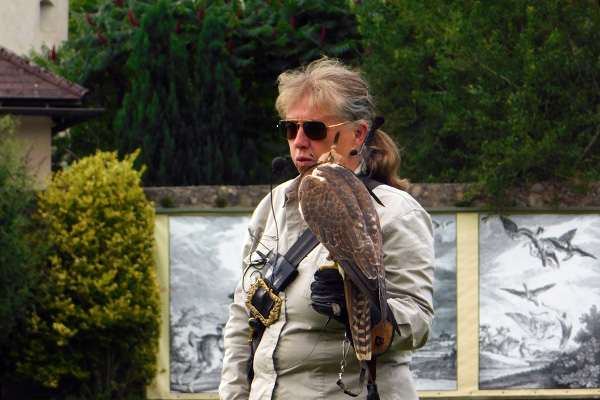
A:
(538, 247)
(339, 210)
(530, 294)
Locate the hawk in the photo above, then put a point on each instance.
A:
(339, 210)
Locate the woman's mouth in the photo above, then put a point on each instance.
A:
(305, 161)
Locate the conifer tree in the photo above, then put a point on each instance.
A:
(154, 115)
(257, 39)
(218, 106)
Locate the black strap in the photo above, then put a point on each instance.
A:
(300, 249)
(371, 184)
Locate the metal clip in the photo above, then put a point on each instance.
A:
(339, 382)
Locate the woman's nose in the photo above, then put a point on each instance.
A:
(301, 139)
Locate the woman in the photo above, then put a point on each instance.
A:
(299, 354)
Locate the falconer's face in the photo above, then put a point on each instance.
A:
(308, 138)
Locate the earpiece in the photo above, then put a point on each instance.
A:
(353, 152)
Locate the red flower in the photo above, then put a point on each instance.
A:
(323, 31)
(201, 12)
(292, 22)
(89, 19)
(53, 53)
(238, 14)
(119, 3)
(102, 38)
(177, 27)
(229, 44)
(357, 2)
(274, 34)
(132, 19)
(257, 11)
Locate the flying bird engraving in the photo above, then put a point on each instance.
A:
(545, 248)
(530, 294)
(563, 243)
(537, 247)
(338, 208)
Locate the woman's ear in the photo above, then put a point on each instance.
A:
(360, 134)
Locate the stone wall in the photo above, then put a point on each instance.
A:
(430, 195)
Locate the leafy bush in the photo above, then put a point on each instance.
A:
(496, 93)
(94, 330)
(16, 199)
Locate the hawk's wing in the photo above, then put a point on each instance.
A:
(337, 207)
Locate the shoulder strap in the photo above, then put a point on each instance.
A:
(284, 268)
(371, 184)
(300, 249)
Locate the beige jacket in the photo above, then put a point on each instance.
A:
(299, 356)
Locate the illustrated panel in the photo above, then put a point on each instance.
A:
(205, 266)
(539, 295)
(434, 366)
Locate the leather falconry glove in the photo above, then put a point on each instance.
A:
(327, 294)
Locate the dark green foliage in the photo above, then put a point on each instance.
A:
(16, 256)
(230, 70)
(221, 201)
(154, 115)
(488, 92)
(167, 202)
(219, 109)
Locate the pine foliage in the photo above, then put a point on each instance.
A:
(154, 115)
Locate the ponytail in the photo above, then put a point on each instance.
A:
(383, 161)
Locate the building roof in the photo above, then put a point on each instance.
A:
(28, 89)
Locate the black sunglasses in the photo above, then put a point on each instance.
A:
(314, 130)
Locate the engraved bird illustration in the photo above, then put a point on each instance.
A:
(530, 294)
(339, 209)
(563, 243)
(538, 247)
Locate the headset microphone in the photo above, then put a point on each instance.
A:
(279, 164)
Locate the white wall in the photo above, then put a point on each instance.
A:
(34, 134)
(26, 25)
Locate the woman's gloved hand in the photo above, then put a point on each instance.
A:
(327, 294)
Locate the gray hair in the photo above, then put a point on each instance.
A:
(334, 89)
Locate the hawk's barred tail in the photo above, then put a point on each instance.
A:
(359, 317)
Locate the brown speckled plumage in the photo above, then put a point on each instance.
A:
(339, 210)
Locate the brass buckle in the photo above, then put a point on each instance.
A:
(275, 311)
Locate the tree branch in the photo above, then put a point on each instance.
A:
(494, 72)
(589, 146)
